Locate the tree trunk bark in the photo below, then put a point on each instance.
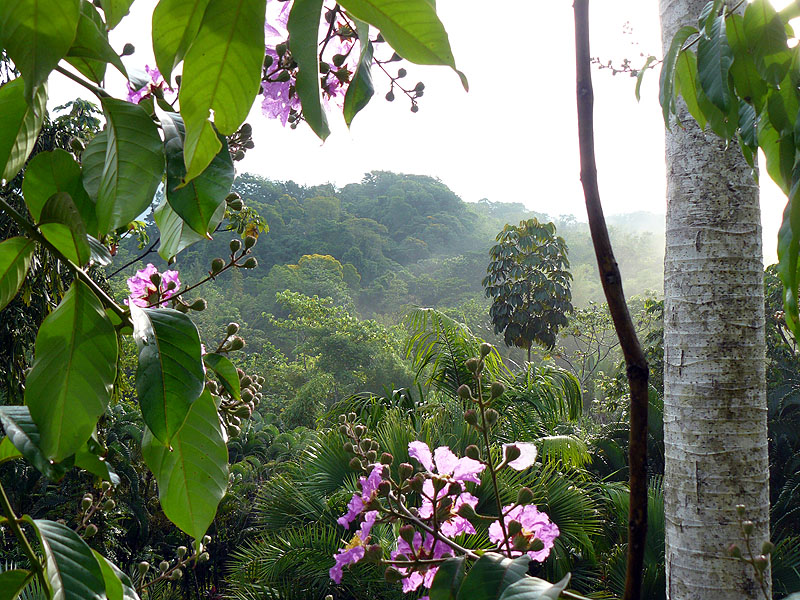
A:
(715, 417)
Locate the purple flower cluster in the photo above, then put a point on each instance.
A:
(144, 291)
(535, 525)
(156, 82)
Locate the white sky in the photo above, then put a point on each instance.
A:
(513, 137)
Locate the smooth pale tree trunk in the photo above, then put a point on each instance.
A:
(715, 417)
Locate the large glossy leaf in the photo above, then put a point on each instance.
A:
(93, 159)
(72, 570)
(24, 435)
(175, 233)
(62, 226)
(91, 51)
(360, 90)
(56, 171)
(533, 588)
(15, 260)
(788, 252)
(8, 451)
(766, 37)
(303, 26)
(714, 59)
(411, 27)
(778, 152)
(666, 94)
(132, 168)
(73, 371)
(118, 585)
(221, 73)
(175, 25)
(198, 201)
(491, 575)
(226, 372)
(447, 580)
(193, 476)
(12, 582)
(170, 375)
(36, 35)
(746, 79)
(115, 11)
(686, 85)
(21, 125)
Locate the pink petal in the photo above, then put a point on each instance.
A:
(422, 453)
(468, 470)
(446, 461)
(526, 457)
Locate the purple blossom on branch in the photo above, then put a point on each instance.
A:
(535, 525)
(143, 290)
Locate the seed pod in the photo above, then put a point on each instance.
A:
(467, 511)
(491, 416)
(244, 412)
(86, 502)
(498, 388)
(767, 547)
(355, 463)
(203, 557)
(401, 73)
(472, 364)
(232, 327)
(155, 278)
(384, 487)
(372, 456)
(389, 96)
(748, 527)
(455, 489)
(247, 395)
(268, 60)
(105, 486)
(199, 305)
(235, 245)
(142, 567)
(217, 265)
(237, 343)
(387, 459)
(342, 419)
(348, 447)
(405, 471)
(249, 241)
(163, 566)
(419, 87)
(280, 49)
(338, 59)
(360, 430)
(109, 505)
(91, 530)
(76, 145)
(238, 155)
(233, 431)
(246, 130)
(471, 416)
(236, 205)
(514, 527)
(464, 392)
(407, 533)
(343, 430)
(128, 49)
(182, 550)
(414, 108)
(176, 574)
(486, 349)
(324, 67)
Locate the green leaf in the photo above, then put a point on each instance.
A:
(447, 580)
(91, 51)
(221, 73)
(118, 585)
(36, 35)
(93, 159)
(411, 27)
(24, 435)
(226, 372)
(686, 85)
(8, 451)
(12, 583)
(666, 93)
(491, 575)
(15, 260)
(21, 125)
(746, 78)
(198, 201)
(115, 11)
(766, 37)
(133, 165)
(789, 252)
(303, 26)
(175, 25)
(641, 73)
(62, 226)
(533, 588)
(714, 59)
(70, 382)
(99, 253)
(56, 171)
(72, 570)
(360, 90)
(175, 233)
(170, 375)
(193, 476)
(89, 461)
(747, 125)
(778, 152)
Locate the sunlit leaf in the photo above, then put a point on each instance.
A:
(21, 125)
(175, 25)
(15, 260)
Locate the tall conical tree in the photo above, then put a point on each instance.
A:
(715, 429)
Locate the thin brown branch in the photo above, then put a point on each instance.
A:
(635, 361)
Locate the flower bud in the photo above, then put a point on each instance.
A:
(464, 392)
(244, 412)
(512, 453)
(405, 471)
(182, 551)
(342, 419)
(734, 551)
(235, 245)
(760, 563)
(419, 87)
(86, 502)
(472, 365)
(524, 496)
(109, 505)
(401, 73)
(268, 60)
(199, 305)
(417, 482)
(387, 459)
(514, 527)
(236, 204)
(407, 533)
(355, 463)
(233, 431)
(105, 486)
(373, 553)
(245, 381)
(348, 447)
(473, 452)
(389, 96)
(76, 145)
(498, 388)
(485, 349)
(338, 59)
(249, 242)
(203, 557)
(366, 444)
(163, 566)
(519, 543)
(748, 527)
(206, 540)
(384, 487)
(324, 67)
(91, 530)
(392, 575)
(536, 545)
(740, 509)
(471, 416)
(455, 489)
(360, 430)
(237, 343)
(372, 456)
(767, 547)
(142, 567)
(128, 49)
(155, 279)
(491, 416)
(280, 49)
(467, 511)
(217, 265)
(250, 263)
(176, 574)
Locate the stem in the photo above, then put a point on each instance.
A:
(636, 363)
(99, 92)
(489, 463)
(13, 523)
(138, 258)
(34, 233)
